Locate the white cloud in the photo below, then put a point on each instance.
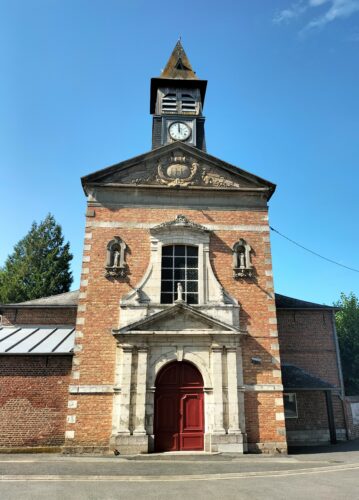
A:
(339, 9)
(286, 15)
(334, 9)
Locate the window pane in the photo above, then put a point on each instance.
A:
(290, 405)
(192, 298)
(180, 274)
(167, 286)
(167, 250)
(166, 298)
(167, 262)
(179, 265)
(192, 274)
(192, 262)
(192, 286)
(180, 249)
(192, 251)
(167, 274)
(180, 261)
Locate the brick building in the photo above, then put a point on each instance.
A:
(181, 343)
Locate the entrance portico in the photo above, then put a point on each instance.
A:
(204, 362)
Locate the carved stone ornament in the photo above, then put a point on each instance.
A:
(115, 259)
(176, 171)
(179, 221)
(242, 265)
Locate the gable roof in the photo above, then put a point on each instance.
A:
(241, 179)
(178, 317)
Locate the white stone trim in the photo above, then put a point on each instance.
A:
(150, 225)
(90, 389)
(263, 387)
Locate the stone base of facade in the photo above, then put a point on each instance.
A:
(313, 437)
(226, 443)
(128, 444)
(269, 447)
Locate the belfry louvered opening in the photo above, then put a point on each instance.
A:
(169, 103)
(179, 265)
(188, 103)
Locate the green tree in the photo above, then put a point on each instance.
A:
(39, 265)
(347, 321)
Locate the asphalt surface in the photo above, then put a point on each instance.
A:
(319, 473)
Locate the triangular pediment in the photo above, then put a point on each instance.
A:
(178, 165)
(179, 318)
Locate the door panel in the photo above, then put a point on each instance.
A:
(179, 412)
(192, 412)
(166, 428)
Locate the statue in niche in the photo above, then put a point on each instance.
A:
(242, 265)
(115, 259)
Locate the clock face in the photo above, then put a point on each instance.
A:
(179, 131)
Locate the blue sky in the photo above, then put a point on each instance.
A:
(282, 102)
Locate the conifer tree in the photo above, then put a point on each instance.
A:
(39, 265)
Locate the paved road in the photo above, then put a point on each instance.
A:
(324, 473)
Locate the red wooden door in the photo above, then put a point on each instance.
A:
(179, 416)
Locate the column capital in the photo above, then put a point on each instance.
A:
(216, 347)
(232, 349)
(127, 347)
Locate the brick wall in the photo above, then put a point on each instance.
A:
(39, 316)
(306, 340)
(99, 306)
(33, 400)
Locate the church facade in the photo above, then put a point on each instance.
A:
(180, 341)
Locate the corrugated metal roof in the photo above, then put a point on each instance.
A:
(37, 339)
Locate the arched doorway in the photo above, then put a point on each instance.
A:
(179, 415)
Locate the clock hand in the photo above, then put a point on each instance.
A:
(179, 128)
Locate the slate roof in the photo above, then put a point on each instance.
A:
(37, 340)
(284, 302)
(178, 67)
(70, 299)
(297, 378)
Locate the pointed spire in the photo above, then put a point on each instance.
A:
(178, 65)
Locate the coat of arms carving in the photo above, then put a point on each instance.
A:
(177, 171)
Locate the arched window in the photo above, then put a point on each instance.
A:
(169, 103)
(179, 265)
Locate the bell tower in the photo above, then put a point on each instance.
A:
(177, 99)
